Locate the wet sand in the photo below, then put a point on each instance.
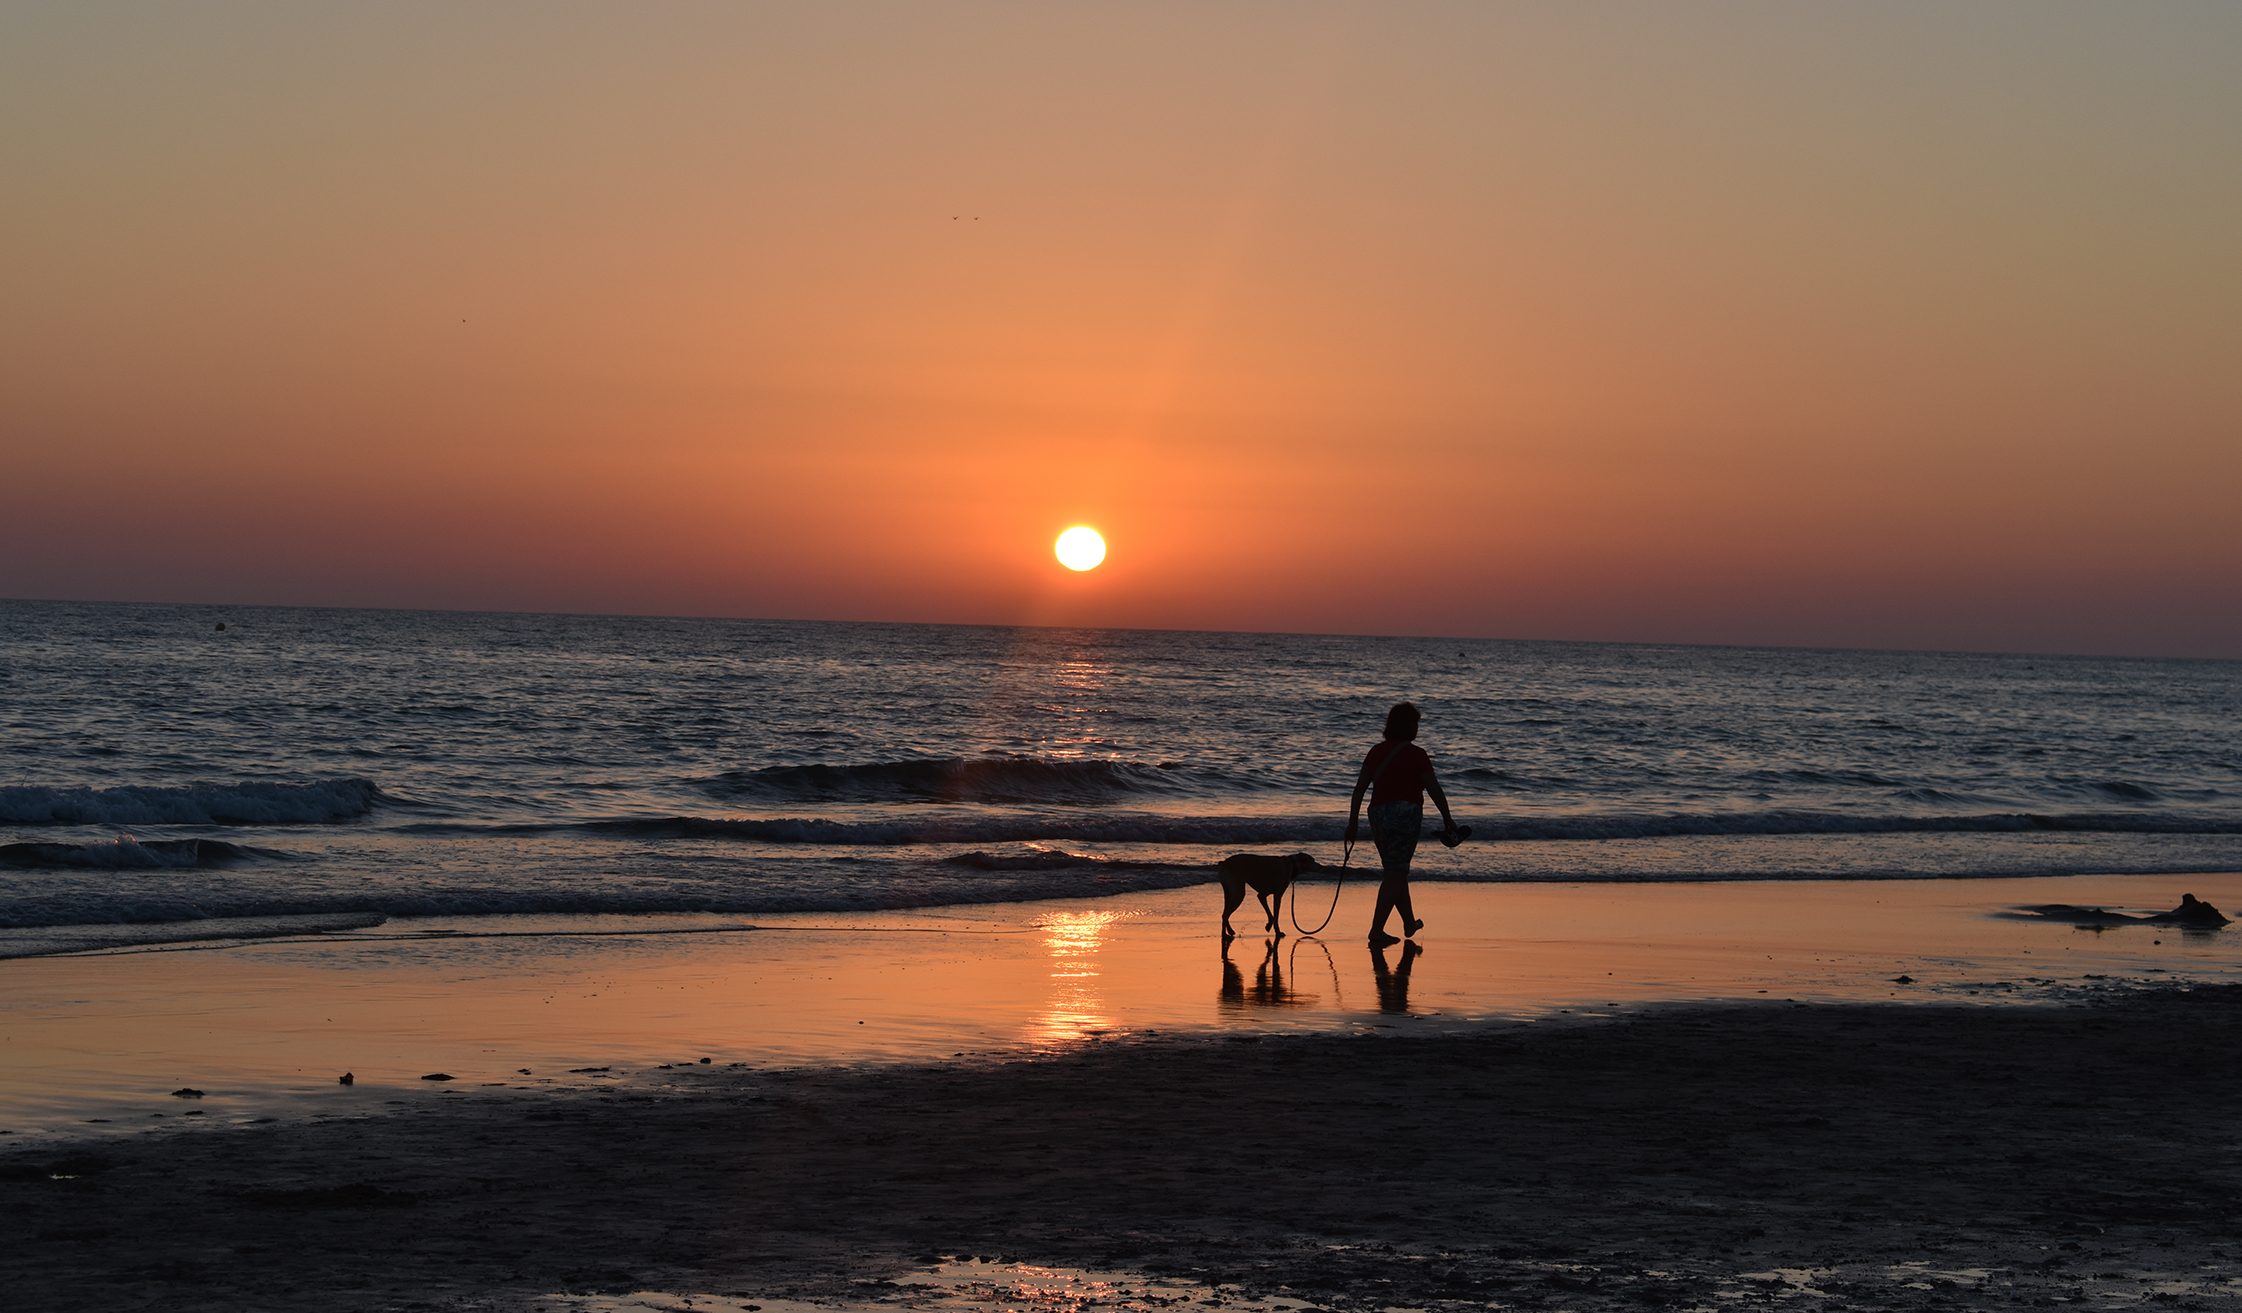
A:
(1881, 1156)
(95, 1045)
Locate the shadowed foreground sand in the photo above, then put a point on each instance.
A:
(1711, 1157)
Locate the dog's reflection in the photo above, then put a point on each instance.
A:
(1392, 981)
(1268, 990)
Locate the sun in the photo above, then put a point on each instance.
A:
(1080, 548)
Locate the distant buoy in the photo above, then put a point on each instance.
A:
(221, 626)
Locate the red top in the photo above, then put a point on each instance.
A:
(1404, 780)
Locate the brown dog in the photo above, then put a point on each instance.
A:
(1269, 876)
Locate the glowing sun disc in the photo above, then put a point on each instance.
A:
(1081, 548)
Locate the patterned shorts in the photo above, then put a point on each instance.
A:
(1394, 827)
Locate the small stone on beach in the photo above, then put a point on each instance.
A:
(185, 1093)
(347, 1078)
(438, 1075)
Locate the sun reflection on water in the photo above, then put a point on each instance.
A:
(1074, 1011)
(1080, 687)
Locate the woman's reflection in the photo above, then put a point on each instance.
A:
(1393, 982)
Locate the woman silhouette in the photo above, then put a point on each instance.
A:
(1397, 775)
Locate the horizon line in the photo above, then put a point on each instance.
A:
(1120, 629)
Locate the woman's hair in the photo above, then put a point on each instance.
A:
(1401, 722)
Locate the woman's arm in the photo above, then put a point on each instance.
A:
(1354, 804)
(1440, 800)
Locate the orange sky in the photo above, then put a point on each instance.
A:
(1709, 323)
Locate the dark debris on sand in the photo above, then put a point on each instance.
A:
(1916, 1157)
(2192, 913)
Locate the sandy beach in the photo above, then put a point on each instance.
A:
(1478, 1127)
(1881, 1156)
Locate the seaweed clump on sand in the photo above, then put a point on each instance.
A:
(2192, 911)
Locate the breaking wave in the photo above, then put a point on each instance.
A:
(127, 853)
(250, 802)
(1056, 861)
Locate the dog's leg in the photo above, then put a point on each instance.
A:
(1276, 912)
(1233, 893)
(1269, 910)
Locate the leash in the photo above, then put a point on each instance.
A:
(1292, 965)
(1347, 855)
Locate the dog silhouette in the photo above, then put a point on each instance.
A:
(1269, 877)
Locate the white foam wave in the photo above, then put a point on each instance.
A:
(925, 888)
(560, 881)
(51, 941)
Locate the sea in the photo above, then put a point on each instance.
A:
(188, 770)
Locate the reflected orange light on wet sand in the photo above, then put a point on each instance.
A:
(265, 1027)
(1075, 1009)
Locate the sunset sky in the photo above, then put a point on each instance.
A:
(1895, 325)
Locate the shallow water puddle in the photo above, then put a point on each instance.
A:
(977, 1287)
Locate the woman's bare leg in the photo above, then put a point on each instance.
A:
(1410, 925)
(1393, 891)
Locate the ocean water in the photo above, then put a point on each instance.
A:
(158, 771)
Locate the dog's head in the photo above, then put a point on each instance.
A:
(1303, 862)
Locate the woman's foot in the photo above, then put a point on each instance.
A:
(1380, 939)
(1412, 928)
